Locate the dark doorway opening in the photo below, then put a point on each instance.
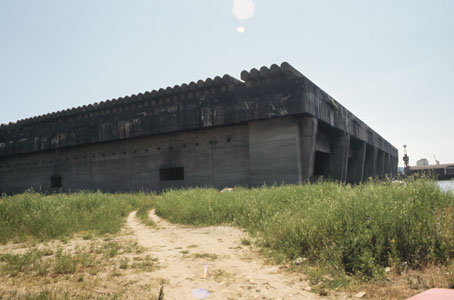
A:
(322, 164)
(169, 174)
(55, 182)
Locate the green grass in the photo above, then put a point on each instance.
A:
(356, 230)
(143, 211)
(58, 216)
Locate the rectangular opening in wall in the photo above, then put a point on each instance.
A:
(322, 164)
(169, 174)
(55, 182)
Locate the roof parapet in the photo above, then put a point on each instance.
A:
(254, 75)
(274, 71)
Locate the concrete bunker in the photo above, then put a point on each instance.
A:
(272, 126)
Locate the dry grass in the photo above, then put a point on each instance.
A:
(111, 267)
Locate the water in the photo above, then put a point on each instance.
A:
(446, 185)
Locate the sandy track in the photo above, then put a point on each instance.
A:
(235, 271)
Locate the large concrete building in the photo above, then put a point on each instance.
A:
(273, 126)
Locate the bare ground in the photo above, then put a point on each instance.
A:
(234, 271)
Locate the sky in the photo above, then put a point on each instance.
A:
(391, 63)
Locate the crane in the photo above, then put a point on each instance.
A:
(405, 158)
(436, 161)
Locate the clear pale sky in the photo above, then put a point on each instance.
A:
(389, 62)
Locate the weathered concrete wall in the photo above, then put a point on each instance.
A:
(215, 157)
(274, 126)
(273, 151)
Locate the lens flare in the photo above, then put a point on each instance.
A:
(241, 29)
(243, 9)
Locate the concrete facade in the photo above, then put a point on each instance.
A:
(274, 126)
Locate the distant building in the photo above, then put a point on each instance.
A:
(422, 162)
(442, 171)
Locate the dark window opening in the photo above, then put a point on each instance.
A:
(168, 174)
(55, 182)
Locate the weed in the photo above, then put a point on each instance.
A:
(124, 263)
(87, 235)
(245, 242)
(111, 249)
(146, 265)
(211, 256)
(86, 259)
(65, 263)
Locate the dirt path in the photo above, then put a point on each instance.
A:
(234, 271)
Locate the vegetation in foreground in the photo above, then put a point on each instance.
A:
(345, 230)
(44, 217)
(335, 232)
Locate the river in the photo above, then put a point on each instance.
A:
(446, 185)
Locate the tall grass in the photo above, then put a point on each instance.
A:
(54, 216)
(355, 230)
